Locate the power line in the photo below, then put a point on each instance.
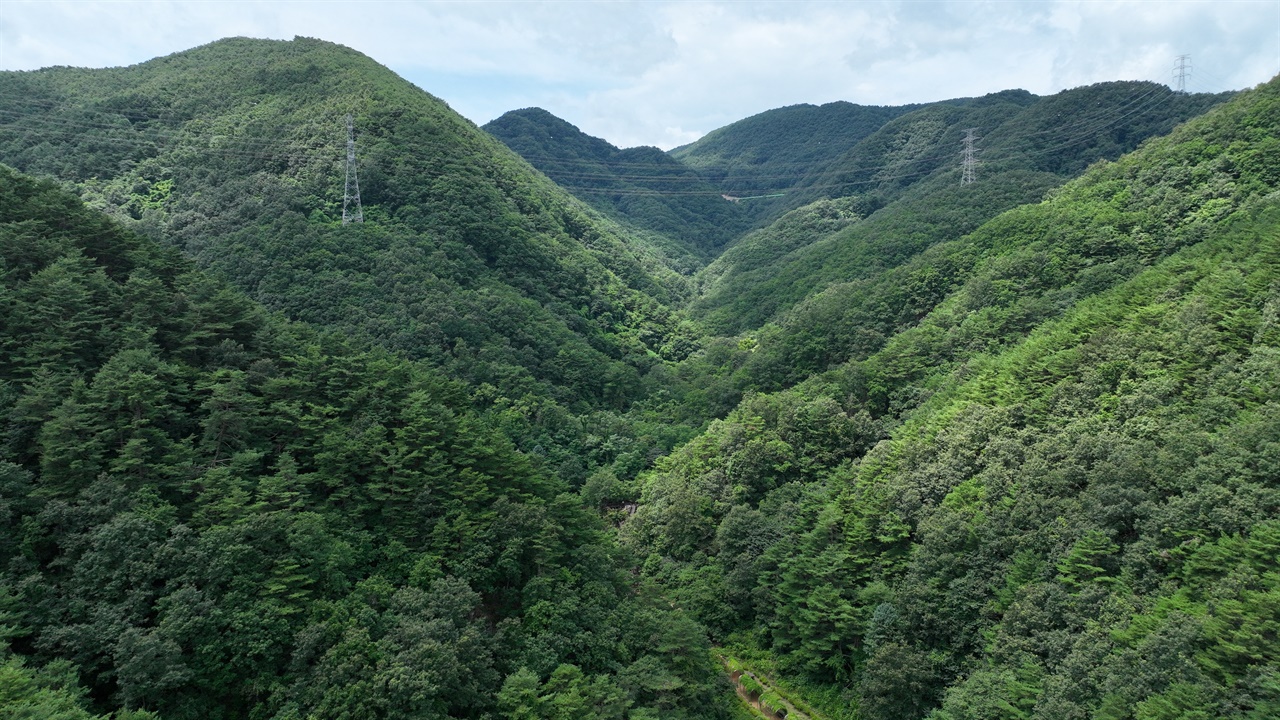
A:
(1081, 135)
(269, 147)
(261, 148)
(718, 193)
(1088, 133)
(1093, 124)
(351, 194)
(244, 147)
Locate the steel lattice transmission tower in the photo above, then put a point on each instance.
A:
(1181, 71)
(351, 209)
(969, 163)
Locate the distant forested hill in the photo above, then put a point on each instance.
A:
(902, 194)
(679, 194)
(1053, 493)
(207, 511)
(235, 153)
(834, 166)
(777, 149)
(641, 185)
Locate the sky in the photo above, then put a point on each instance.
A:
(666, 72)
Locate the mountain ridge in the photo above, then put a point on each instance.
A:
(641, 185)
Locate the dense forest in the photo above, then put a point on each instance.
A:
(643, 186)
(559, 432)
(211, 512)
(1052, 496)
(904, 180)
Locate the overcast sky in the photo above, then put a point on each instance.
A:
(665, 72)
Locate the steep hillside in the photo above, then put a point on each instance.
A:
(467, 258)
(1060, 134)
(1053, 496)
(903, 180)
(679, 193)
(209, 512)
(641, 185)
(776, 149)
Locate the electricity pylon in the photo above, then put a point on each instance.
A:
(351, 194)
(1181, 71)
(969, 164)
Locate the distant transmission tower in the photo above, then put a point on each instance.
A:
(1181, 71)
(351, 209)
(969, 165)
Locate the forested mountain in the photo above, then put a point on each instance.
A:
(235, 152)
(896, 168)
(207, 511)
(1004, 449)
(778, 148)
(1054, 495)
(904, 179)
(640, 185)
(680, 194)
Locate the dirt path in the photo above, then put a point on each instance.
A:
(792, 712)
(747, 699)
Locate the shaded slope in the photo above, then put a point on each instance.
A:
(642, 185)
(235, 151)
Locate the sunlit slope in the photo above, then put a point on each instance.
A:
(903, 180)
(642, 185)
(235, 151)
(1054, 495)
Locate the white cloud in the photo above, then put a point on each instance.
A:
(667, 71)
